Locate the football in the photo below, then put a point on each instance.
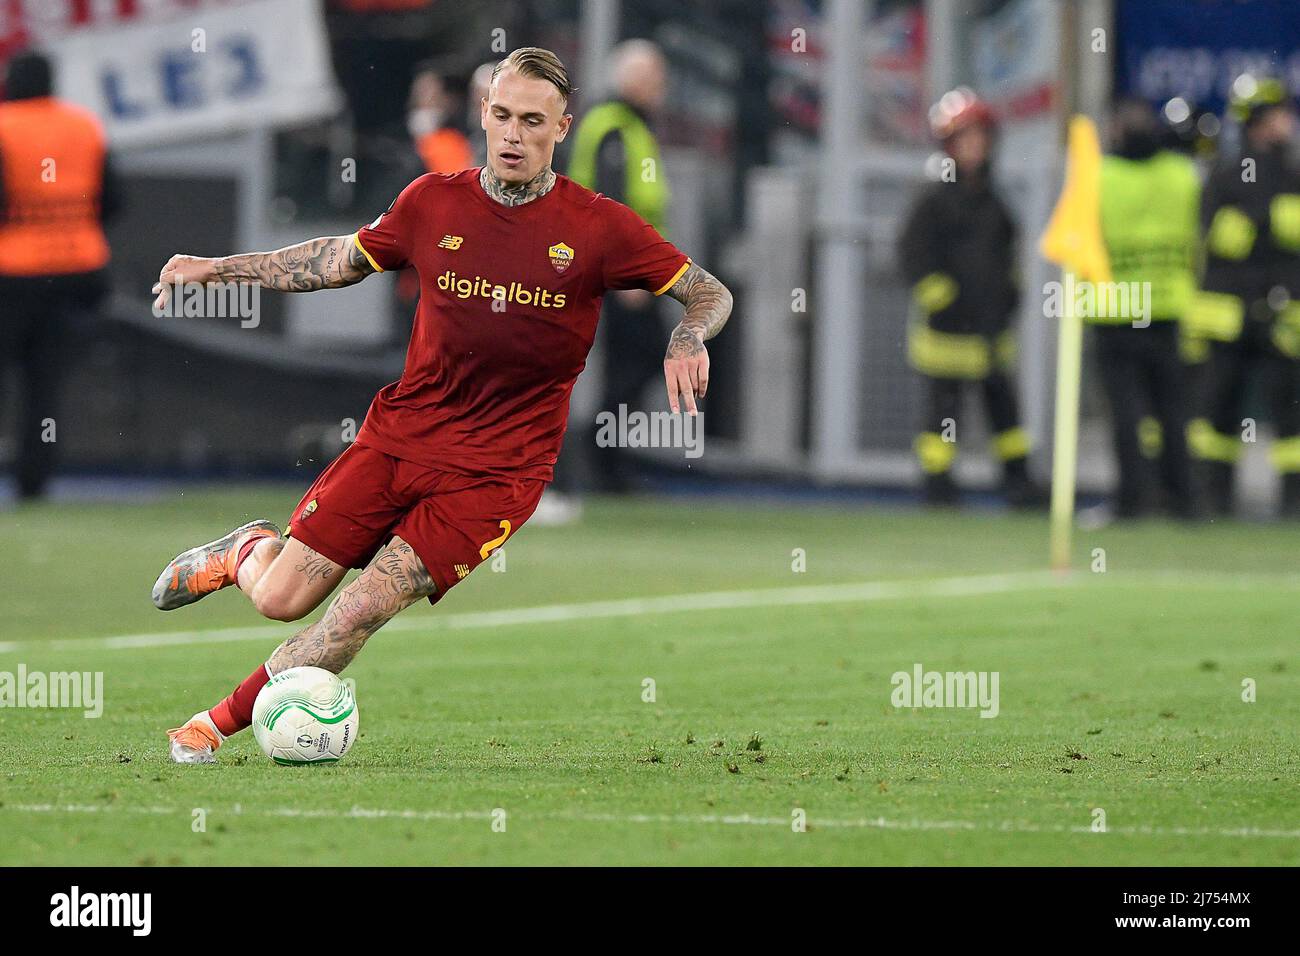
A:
(305, 715)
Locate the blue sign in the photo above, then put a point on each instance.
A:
(1196, 48)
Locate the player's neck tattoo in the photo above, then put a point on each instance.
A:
(517, 195)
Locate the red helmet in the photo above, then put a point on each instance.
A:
(956, 110)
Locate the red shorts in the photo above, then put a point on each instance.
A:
(453, 522)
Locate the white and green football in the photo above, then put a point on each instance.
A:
(305, 715)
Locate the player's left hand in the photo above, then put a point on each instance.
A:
(686, 369)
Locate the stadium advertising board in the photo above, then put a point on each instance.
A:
(167, 73)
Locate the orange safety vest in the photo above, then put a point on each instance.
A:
(445, 151)
(52, 162)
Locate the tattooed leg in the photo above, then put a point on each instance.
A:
(394, 580)
(291, 580)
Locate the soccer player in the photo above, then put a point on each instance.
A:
(452, 458)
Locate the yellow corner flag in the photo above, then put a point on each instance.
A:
(1073, 241)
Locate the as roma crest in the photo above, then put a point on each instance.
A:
(561, 256)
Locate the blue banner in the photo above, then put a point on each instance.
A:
(1196, 48)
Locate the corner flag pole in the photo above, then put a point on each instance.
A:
(1073, 240)
(1065, 441)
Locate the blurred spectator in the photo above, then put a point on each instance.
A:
(56, 190)
(1246, 319)
(1192, 130)
(957, 250)
(478, 91)
(443, 148)
(431, 109)
(1150, 203)
(616, 153)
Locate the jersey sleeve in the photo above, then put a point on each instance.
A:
(636, 256)
(387, 242)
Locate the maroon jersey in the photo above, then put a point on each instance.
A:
(509, 300)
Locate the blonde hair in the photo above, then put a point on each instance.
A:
(540, 64)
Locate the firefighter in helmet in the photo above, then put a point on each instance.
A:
(957, 252)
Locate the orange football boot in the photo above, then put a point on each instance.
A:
(196, 741)
(210, 567)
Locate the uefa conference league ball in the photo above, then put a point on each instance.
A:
(305, 715)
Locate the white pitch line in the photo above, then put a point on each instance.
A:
(742, 819)
(707, 601)
(850, 593)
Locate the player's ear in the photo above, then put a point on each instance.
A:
(565, 122)
(482, 113)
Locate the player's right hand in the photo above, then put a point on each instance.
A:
(181, 269)
(686, 369)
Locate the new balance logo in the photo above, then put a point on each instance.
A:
(461, 570)
(451, 242)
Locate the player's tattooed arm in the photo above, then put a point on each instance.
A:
(686, 365)
(394, 580)
(708, 304)
(329, 262)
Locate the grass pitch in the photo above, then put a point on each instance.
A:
(1120, 691)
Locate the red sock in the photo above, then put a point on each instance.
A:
(236, 712)
(245, 549)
